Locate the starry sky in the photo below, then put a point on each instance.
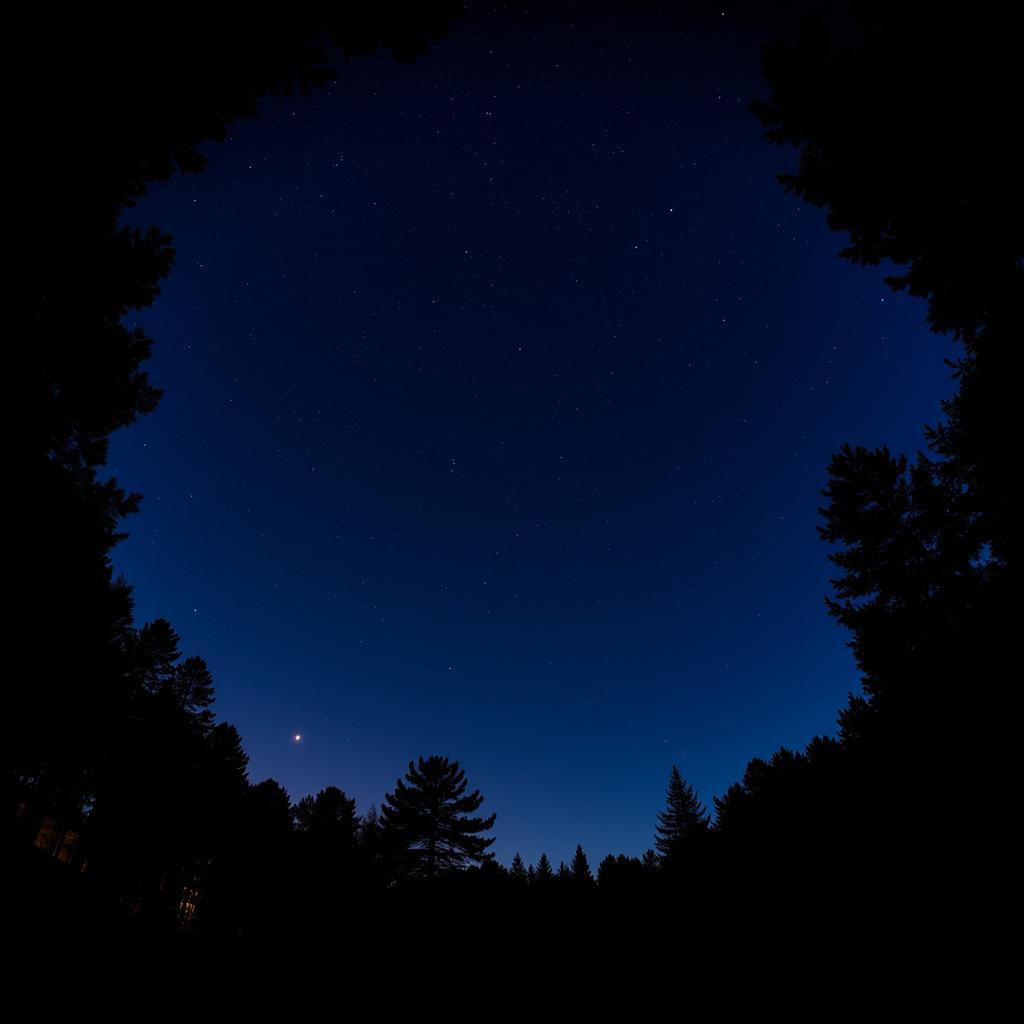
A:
(499, 394)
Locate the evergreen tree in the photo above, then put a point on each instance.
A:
(953, 230)
(426, 818)
(683, 819)
(327, 827)
(606, 871)
(622, 874)
(330, 816)
(270, 808)
(579, 869)
(192, 686)
(249, 886)
(518, 871)
(544, 874)
(155, 652)
(926, 546)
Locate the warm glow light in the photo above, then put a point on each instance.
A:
(298, 737)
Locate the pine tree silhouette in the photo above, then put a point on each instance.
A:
(580, 868)
(544, 873)
(426, 819)
(518, 872)
(683, 819)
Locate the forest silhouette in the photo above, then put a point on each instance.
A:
(134, 811)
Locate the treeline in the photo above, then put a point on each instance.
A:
(111, 737)
(174, 838)
(905, 137)
(114, 106)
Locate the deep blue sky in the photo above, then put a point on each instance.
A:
(499, 395)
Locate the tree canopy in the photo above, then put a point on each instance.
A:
(330, 815)
(428, 819)
(683, 819)
(907, 141)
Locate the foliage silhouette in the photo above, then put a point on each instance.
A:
(330, 814)
(579, 869)
(90, 147)
(113, 729)
(518, 874)
(119, 724)
(925, 547)
(869, 122)
(427, 818)
(543, 872)
(684, 820)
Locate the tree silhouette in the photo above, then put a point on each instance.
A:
(544, 872)
(869, 121)
(326, 845)
(620, 874)
(112, 724)
(192, 686)
(518, 874)
(426, 818)
(155, 651)
(926, 546)
(270, 808)
(330, 815)
(579, 868)
(80, 272)
(683, 820)
(914, 571)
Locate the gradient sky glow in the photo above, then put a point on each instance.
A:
(499, 394)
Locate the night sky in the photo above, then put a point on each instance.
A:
(499, 394)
